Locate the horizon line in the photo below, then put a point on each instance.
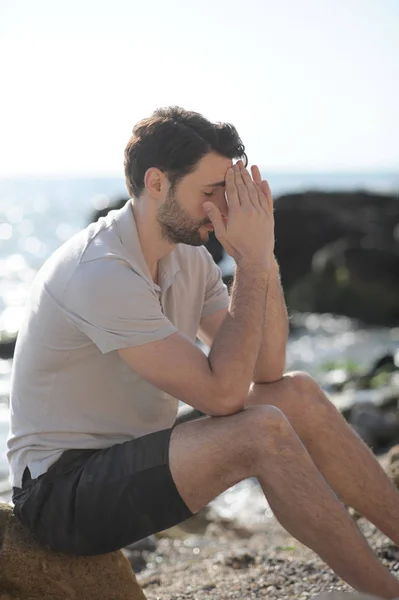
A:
(393, 170)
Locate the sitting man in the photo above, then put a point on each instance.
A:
(108, 347)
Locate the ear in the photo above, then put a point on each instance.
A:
(155, 182)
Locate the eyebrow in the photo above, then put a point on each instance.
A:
(216, 184)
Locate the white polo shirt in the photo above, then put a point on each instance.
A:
(94, 295)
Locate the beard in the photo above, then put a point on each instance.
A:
(177, 227)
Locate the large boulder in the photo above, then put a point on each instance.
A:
(357, 279)
(375, 426)
(305, 222)
(338, 252)
(28, 571)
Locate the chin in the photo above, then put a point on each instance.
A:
(200, 241)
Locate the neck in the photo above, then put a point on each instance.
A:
(153, 245)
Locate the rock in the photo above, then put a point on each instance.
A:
(393, 465)
(137, 553)
(29, 571)
(7, 346)
(215, 248)
(354, 279)
(377, 386)
(136, 558)
(374, 426)
(385, 365)
(358, 232)
(388, 552)
(306, 222)
(384, 398)
(345, 596)
(379, 373)
(240, 560)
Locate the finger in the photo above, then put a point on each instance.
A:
(231, 190)
(252, 188)
(216, 219)
(256, 174)
(267, 192)
(241, 187)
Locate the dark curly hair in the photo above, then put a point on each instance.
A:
(174, 140)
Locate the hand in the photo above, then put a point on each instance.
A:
(248, 233)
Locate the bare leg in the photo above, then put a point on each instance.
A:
(340, 455)
(210, 455)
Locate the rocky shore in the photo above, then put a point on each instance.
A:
(270, 564)
(214, 560)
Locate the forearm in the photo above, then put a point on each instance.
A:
(237, 344)
(270, 364)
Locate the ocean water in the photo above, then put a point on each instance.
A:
(37, 215)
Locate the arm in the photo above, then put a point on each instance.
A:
(271, 360)
(217, 384)
(270, 363)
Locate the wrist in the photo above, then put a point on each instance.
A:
(263, 264)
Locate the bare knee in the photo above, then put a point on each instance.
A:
(301, 382)
(265, 417)
(306, 394)
(270, 432)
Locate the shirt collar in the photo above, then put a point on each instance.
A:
(127, 230)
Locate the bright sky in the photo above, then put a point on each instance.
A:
(309, 84)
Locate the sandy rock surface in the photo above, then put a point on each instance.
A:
(270, 564)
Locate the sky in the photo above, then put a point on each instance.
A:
(310, 85)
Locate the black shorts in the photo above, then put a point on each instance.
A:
(96, 501)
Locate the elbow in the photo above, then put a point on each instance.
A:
(228, 404)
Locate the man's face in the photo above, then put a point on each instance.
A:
(182, 217)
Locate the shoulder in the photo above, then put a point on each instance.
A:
(106, 273)
(80, 252)
(109, 277)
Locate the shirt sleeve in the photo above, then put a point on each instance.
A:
(216, 292)
(115, 306)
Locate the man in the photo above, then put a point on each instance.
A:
(108, 346)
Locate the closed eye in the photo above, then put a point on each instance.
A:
(208, 194)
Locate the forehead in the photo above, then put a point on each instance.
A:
(211, 168)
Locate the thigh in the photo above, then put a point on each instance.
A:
(103, 501)
(211, 454)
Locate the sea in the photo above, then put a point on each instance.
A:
(39, 214)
